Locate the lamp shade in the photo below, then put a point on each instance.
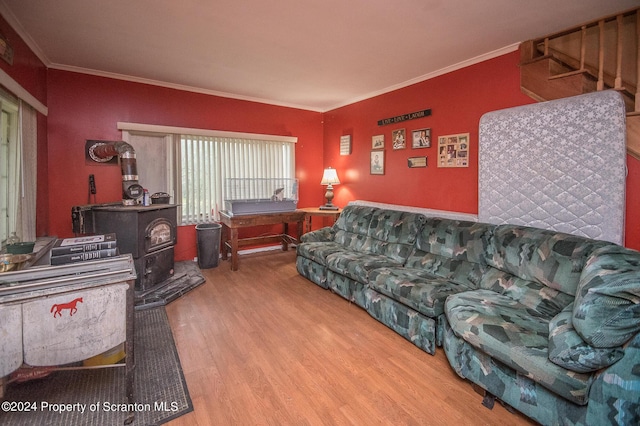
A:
(330, 177)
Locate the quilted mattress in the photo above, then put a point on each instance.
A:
(558, 165)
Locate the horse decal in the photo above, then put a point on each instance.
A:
(71, 306)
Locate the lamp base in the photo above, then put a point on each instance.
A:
(329, 207)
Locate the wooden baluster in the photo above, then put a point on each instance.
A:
(600, 85)
(546, 46)
(583, 46)
(618, 82)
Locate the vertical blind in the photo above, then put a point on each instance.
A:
(206, 163)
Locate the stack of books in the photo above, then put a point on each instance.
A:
(70, 250)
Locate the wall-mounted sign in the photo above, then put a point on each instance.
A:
(414, 162)
(345, 145)
(405, 117)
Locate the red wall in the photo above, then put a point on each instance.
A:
(88, 107)
(457, 100)
(632, 228)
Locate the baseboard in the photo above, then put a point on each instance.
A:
(255, 250)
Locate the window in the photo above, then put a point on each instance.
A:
(199, 162)
(10, 160)
(206, 162)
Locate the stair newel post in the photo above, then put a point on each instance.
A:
(618, 82)
(600, 85)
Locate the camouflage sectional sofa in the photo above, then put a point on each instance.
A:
(547, 322)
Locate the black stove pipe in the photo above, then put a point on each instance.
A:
(131, 190)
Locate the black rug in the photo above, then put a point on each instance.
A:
(161, 393)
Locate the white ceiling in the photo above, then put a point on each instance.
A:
(310, 54)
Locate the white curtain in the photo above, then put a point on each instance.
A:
(26, 209)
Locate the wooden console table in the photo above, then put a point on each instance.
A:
(231, 224)
(316, 211)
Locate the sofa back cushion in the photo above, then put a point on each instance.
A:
(606, 311)
(545, 301)
(352, 226)
(393, 233)
(453, 249)
(550, 258)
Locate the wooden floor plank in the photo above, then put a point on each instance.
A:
(263, 345)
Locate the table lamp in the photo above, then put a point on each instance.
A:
(329, 178)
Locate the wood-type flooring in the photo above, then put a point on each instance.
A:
(265, 346)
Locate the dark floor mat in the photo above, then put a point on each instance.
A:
(161, 392)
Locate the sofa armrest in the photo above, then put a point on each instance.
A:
(615, 392)
(568, 350)
(607, 303)
(320, 235)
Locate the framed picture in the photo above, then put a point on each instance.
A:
(399, 139)
(377, 163)
(415, 162)
(345, 145)
(377, 142)
(453, 150)
(421, 138)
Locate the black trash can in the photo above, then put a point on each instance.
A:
(208, 244)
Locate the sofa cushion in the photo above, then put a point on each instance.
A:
(456, 239)
(393, 233)
(567, 349)
(535, 296)
(318, 251)
(416, 288)
(357, 265)
(606, 312)
(352, 227)
(547, 257)
(515, 335)
(452, 249)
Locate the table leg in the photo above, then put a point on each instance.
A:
(285, 233)
(225, 238)
(301, 224)
(307, 225)
(234, 249)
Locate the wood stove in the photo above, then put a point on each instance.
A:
(149, 233)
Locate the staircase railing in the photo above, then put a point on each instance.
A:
(611, 63)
